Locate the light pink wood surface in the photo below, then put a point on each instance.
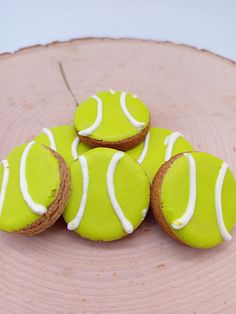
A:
(190, 91)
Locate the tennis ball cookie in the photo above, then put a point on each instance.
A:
(63, 140)
(110, 195)
(34, 188)
(112, 119)
(193, 197)
(159, 146)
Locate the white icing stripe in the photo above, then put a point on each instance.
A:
(144, 213)
(145, 149)
(74, 224)
(135, 96)
(188, 214)
(126, 224)
(4, 183)
(218, 202)
(98, 120)
(138, 125)
(112, 91)
(170, 142)
(36, 208)
(74, 148)
(50, 138)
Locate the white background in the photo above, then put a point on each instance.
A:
(209, 24)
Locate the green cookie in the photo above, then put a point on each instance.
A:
(29, 183)
(194, 199)
(112, 119)
(109, 197)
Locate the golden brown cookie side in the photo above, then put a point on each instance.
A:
(55, 209)
(156, 202)
(120, 145)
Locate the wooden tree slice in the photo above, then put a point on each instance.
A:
(187, 90)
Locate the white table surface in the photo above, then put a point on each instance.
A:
(209, 24)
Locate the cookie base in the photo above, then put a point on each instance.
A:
(122, 145)
(156, 204)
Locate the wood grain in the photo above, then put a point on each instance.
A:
(58, 272)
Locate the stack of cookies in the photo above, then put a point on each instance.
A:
(104, 172)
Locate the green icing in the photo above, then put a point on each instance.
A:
(43, 177)
(202, 230)
(64, 136)
(157, 150)
(132, 192)
(114, 126)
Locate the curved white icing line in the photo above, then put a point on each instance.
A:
(98, 120)
(170, 142)
(74, 224)
(50, 138)
(74, 148)
(144, 213)
(36, 208)
(145, 149)
(188, 214)
(218, 202)
(112, 91)
(138, 125)
(4, 183)
(126, 224)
